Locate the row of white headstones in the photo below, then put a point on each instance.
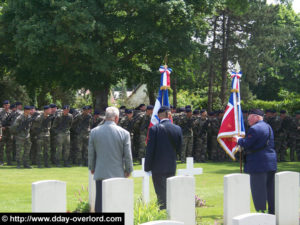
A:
(50, 196)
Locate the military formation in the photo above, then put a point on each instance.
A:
(59, 137)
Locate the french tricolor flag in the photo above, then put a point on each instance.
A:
(165, 77)
(163, 95)
(232, 122)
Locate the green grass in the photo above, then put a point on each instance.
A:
(15, 186)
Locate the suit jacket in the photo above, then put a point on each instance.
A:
(109, 151)
(160, 154)
(265, 158)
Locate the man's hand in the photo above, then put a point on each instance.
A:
(92, 172)
(126, 174)
(0, 138)
(236, 138)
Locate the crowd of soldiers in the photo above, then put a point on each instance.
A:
(60, 136)
(50, 136)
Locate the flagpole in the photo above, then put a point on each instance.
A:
(241, 162)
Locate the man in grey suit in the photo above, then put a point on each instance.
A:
(109, 152)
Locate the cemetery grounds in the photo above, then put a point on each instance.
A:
(15, 186)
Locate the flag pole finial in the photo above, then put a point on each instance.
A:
(237, 67)
(166, 60)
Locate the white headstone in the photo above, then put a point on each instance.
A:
(181, 199)
(236, 196)
(146, 181)
(254, 219)
(117, 196)
(49, 196)
(92, 192)
(163, 222)
(190, 170)
(287, 198)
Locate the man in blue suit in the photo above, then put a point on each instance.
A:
(165, 140)
(260, 161)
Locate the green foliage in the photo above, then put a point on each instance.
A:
(11, 90)
(197, 99)
(148, 212)
(291, 104)
(82, 98)
(83, 201)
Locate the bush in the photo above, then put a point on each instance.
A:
(291, 105)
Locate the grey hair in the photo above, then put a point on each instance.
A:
(111, 113)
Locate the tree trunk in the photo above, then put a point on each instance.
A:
(225, 36)
(100, 99)
(151, 94)
(211, 72)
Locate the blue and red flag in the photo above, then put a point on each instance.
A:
(165, 77)
(163, 95)
(232, 122)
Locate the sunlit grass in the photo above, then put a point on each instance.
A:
(15, 186)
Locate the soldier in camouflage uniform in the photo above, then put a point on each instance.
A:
(82, 126)
(41, 129)
(297, 122)
(144, 124)
(173, 109)
(178, 116)
(127, 123)
(186, 124)
(33, 136)
(20, 129)
(213, 130)
(53, 143)
(196, 116)
(73, 137)
(122, 111)
(97, 119)
(62, 125)
(16, 111)
(6, 141)
(138, 114)
(201, 126)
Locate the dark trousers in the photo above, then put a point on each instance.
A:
(160, 186)
(262, 188)
(98, 203)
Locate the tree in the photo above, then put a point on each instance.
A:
(92, 44)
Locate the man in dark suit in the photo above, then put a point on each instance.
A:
(165, 139)
(261, 161)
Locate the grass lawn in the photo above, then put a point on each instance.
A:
(15, 186)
